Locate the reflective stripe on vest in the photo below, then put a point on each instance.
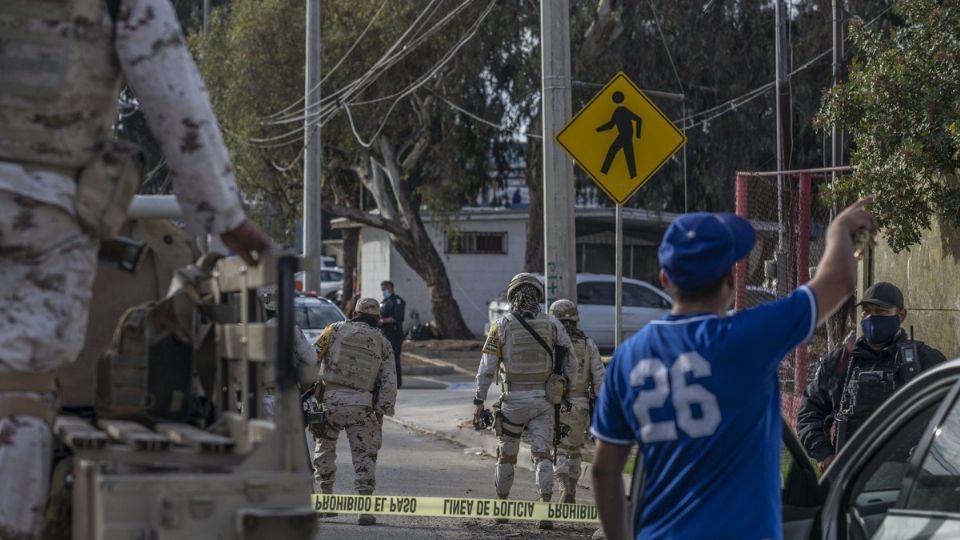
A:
(354, 358)
(61, 77)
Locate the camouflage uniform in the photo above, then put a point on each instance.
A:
(359, 382)
(523, 404)
(304, 355)
(590, 371)
(62, 72)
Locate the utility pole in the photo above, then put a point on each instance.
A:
(836, 134)
(206, 16)
(783, 140)
(558, 215)
(313, 153)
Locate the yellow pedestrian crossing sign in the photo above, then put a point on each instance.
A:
(620, 138)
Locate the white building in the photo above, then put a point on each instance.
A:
(483, 248)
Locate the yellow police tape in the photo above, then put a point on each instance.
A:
(451, 507)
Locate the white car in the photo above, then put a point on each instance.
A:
(331, 281)
(642, 303)
(313, 314)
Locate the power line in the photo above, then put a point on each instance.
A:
(482, 120)
(413, 87)
(656, 20)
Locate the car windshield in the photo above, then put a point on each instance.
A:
(316, 316)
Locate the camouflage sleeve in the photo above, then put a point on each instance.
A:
(489, 360)
(322, 344)
(387, 380)
(160, 71)
(597, 369)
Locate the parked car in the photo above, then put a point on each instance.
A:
(642, 303)
(312, 314)
(898, 477)
(331, 281)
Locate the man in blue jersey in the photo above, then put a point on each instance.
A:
(698, 391)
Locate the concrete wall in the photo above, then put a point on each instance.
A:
(475, 279)
(929, 276)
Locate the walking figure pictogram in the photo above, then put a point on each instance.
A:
(622, 119)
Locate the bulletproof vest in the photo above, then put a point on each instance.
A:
(526, 364)
(354, 358)
(865, 391)
(61, 77)
(583, 368)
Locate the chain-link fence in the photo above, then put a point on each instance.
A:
(791, 222)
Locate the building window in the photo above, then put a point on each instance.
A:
(476, 242)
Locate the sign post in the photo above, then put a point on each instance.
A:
(621, 139)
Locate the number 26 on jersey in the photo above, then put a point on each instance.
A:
(671, 384)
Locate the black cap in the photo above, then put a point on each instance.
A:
(883, 294)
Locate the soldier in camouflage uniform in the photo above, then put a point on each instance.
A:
(525, 366)
(576, 413)
(63, 62)
(304, 355)
(358, 387)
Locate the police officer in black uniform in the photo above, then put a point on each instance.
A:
(391, 321)
(854, 379)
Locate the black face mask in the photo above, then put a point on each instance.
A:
(880, 329)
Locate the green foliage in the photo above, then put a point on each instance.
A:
(902, 107)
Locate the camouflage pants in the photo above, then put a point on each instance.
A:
(567, 467)
(47, 265)
(365, 436)
(534, 414)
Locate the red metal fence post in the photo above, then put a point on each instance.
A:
(804, 205)
(743, 267)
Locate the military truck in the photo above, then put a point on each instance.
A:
(162, 432)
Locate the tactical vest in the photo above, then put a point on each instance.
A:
(60, 80)
(354, 358)
(583, 368)
(526, 364)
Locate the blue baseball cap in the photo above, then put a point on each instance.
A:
(699, 248)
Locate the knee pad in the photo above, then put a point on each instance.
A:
(540, 456)
(504, 458)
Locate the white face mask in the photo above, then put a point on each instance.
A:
(386, 293)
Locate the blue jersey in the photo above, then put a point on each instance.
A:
(699, 394)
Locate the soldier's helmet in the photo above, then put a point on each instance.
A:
(368, 306)
(524, 278)
(268, 296)
(565, 310)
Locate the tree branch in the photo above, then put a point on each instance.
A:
(364, 218)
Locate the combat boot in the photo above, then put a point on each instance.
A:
(545, 523)
(366, 519)
(502, 520)
(568, 498)
(326, 491)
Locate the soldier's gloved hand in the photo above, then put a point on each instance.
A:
(476, 413)
(246, 239)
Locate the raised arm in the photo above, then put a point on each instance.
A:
(836, 276)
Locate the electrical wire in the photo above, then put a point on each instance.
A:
(386, 61)
(335, 66)
(413, 87)
(295, 135)
(663, 38)
(482, 120)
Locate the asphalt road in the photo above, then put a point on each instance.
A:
(411, 463)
